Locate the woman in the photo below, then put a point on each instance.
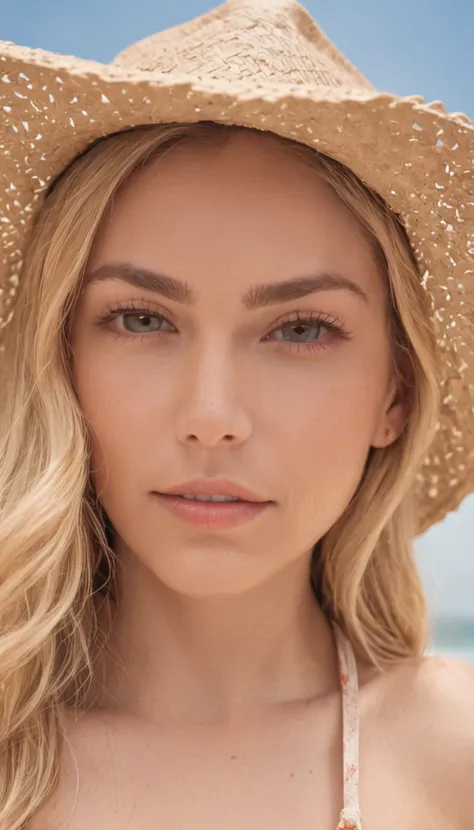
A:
(230, 405)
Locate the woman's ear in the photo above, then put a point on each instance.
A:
(393, 418)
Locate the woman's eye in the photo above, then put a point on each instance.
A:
(143, 323)
(299, 331)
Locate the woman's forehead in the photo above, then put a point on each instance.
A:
(247, 205)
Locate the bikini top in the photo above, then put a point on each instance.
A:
(350, 818)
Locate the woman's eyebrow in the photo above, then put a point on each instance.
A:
(257, 297)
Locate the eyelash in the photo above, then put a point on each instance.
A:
(332, 325)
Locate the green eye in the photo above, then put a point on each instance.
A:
(302, 331)
(143, 323)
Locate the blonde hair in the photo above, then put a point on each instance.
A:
(52, 533)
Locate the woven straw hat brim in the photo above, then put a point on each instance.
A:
(416, 155)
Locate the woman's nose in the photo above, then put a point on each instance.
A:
(212, 410)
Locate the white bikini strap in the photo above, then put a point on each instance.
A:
(350, 816)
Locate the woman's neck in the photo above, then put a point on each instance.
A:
(176, 658)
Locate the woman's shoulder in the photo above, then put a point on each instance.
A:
(437, 692)
(427, 710)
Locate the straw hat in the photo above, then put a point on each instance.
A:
(266, 64)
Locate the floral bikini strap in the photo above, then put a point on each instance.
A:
(350, 815)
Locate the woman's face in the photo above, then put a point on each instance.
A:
(223, 374)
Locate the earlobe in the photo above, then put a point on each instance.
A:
(391, 425)
(383, 440)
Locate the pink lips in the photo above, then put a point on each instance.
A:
(213, 515)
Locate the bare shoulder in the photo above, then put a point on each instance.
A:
(429, 714)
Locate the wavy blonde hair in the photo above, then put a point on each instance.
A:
(53, 543)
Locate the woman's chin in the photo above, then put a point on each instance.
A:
(209, 574)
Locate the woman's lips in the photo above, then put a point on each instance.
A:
(212, 515)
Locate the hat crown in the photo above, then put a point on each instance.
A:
(259, 40)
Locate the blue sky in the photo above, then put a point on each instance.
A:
(408, 47)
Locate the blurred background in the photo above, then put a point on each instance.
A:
(409, 47)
